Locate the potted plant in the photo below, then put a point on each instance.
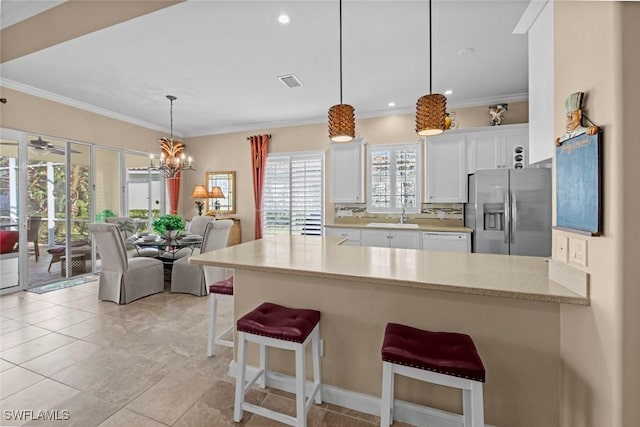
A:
(168, 225)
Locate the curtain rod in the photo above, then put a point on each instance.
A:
(269, 135)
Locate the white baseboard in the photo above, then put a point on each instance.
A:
(405, 412)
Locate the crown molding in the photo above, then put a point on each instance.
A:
(30, 90)
(477, 102)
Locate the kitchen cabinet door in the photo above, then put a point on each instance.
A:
(351, 234)
(405, 239)
(347, 172)
(375, 238)
(446, 169)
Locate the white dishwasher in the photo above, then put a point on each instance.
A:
(445, 241)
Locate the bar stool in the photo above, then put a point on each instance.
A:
(281, 327)
(442, 358)
(219, 291)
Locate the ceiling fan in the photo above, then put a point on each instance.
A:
(41, 146)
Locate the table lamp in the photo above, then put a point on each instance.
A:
(200, 192)
(216, 193)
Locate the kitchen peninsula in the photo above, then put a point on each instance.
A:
(507, 304)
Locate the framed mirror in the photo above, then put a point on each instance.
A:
(227, 182)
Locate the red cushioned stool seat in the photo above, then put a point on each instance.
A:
(272, 325)
(443, 358)
(443, 352)
(224, 287)
(275, 321)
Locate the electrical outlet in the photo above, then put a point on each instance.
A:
(562, 249)
(344, 212)
(578, 251)
(442, 214)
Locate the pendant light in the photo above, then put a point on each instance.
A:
(431, 109)
(342, 122)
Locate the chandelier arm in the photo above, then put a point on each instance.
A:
(340, 13)
(430, 52)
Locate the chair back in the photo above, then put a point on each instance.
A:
(110, 246)
(198, 224)
(216, 235)
(33, 226)
(125, 224)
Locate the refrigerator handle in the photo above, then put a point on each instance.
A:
(514, 216)
(507, 218)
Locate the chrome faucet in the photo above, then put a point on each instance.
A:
(403, 216)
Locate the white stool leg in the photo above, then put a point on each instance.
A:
(387, 394)
(317, 369)
(264, 363)
(213, 312)
(473, 405)
(301, 416)
(240, 377)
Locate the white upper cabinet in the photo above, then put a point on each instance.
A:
(537, 23)
(446, 168)
(347, 172)
(497, 147)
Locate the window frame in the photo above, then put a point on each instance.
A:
(393, 149)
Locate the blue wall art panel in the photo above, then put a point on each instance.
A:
(578, 194)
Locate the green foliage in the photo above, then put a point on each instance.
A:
(107, 213)
(143, 213)
(166, 223)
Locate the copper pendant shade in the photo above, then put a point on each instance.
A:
(342, 123)
(431, 109)
(342, 118)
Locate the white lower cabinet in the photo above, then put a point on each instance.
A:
(391, 239)
(352, 234)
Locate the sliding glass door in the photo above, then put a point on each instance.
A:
(10, 149)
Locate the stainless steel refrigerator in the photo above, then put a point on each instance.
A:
(510, 211)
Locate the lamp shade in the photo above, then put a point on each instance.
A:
(216, 193)
(200, 192)
(342, 123)
(431, 111)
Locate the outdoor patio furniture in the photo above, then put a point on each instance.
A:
(79, 247)
(33, 226)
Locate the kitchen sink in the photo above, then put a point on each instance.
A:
(391, 225)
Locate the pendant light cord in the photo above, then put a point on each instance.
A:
(340, 12)
(430, 54)
(171, 114)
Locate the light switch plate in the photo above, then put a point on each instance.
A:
(578, 251)
(562, 249)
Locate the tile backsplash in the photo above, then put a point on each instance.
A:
(354, 212)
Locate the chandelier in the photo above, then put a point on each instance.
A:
(173, 160)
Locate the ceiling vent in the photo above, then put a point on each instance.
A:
(290, 80)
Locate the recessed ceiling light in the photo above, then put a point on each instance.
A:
(283, 19)
(391, 104)
(448, 92)
(466, 51)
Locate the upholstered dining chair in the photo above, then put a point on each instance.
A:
(123, 279)
(190, 278)
(198, 224)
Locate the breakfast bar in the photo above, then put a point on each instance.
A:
(507, 304)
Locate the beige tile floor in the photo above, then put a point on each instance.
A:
(140, 364)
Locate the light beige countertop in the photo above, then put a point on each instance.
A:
(519, 277)
(421, 227)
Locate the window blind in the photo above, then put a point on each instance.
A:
(292, 200)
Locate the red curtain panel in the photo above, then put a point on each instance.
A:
(173, 189)
(259, 150)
